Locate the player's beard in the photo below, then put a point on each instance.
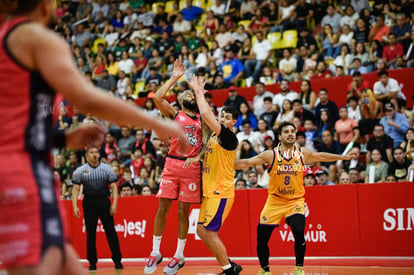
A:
(189, 105)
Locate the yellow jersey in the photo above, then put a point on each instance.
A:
(286, 174)
(218, 166)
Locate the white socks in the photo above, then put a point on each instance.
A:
(156, 243)
(179, 253)
(226, 267)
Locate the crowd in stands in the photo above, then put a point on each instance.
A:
(128, 49)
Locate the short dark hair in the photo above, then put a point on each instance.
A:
(382, 72)
(323, 90)
(283, 125)
(246, 121)
(296, 101)
(126, 184)
(233, 111)
(267, 98)
(300, 134)
(379, 125)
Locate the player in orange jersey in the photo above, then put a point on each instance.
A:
(286, 192)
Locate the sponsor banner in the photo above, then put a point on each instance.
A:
(331, 222)
(387, 219)
(134, 223)
(346, 220)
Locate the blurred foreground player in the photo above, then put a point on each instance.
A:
(35, 62)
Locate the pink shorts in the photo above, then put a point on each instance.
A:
(180, 183)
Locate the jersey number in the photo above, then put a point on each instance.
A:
(287, 180)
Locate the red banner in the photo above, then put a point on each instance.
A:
(346, 220)
(386, 215)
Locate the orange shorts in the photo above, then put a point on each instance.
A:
(178, 183)
(276, 209)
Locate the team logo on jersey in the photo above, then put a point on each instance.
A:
(216, 192)
(264, 219)
(181, 118)
(86, 172)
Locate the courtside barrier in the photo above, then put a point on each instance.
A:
(346, 220)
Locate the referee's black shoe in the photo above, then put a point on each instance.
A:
(92, 267)
(118, 265)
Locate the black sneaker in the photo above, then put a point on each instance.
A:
(92, 267)
(118, 265)
(237, 268)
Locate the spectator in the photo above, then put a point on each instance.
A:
(402, 30)
(219, 82)
(259, 55)
(307, 95)
(224, 37)
(399, 166)
(286, 113)
(249, 134)
(307, 40)
(322, 71)
(232, 68)
(382, 142)
(344, 59)
(181, 26)
(350, 17)
(190, 12)
(390, 178)
(287, 66)
(300, 112)
(310, 134)
(408, 144)
(144, 144)
(346, 129)
(395, 124)
(126, 190)
(375, 55)
(354, 110)
(262, 176)
(329, 41)
(82, 37)
(263, 131)
(329, 145)
(83, 10)
(285, 93)
(146, 191)
(326, 103)
(270, 115)
(354, 162)
(354, 175)
(258, 22)
(344, 178)
(361, 32)
(309, 179)
(253, 180)
(376, 170)
(234, 99)
(211, 25)
(240, 184)
(323, 179)
(379, 31)
(146, 17)
(122, 84)
(392, 50)
(245, 114)
(126, 145)
(246, 150)
(267, 76)
(332, 18)
(216, 53)
(409, 53)
(258, 103)
(130, 19)
(325, 122)
(100, 6)
(357, 85)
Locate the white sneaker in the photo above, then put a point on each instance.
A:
(249, 81)
(173, 266)
(152, 262)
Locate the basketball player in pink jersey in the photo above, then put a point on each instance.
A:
(180, 179)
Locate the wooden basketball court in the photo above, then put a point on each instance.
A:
(279, 266)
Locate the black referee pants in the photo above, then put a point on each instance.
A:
(94, 208)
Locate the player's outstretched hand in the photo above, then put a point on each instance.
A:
(85, 135)
(197, 84)
(350, 155)
(178, 70)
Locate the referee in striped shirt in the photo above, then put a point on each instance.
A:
(95, 178)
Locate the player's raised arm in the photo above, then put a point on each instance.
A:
(159, 98)
(265, 157)
(61, 73)
(310, 156)
(197, 84)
